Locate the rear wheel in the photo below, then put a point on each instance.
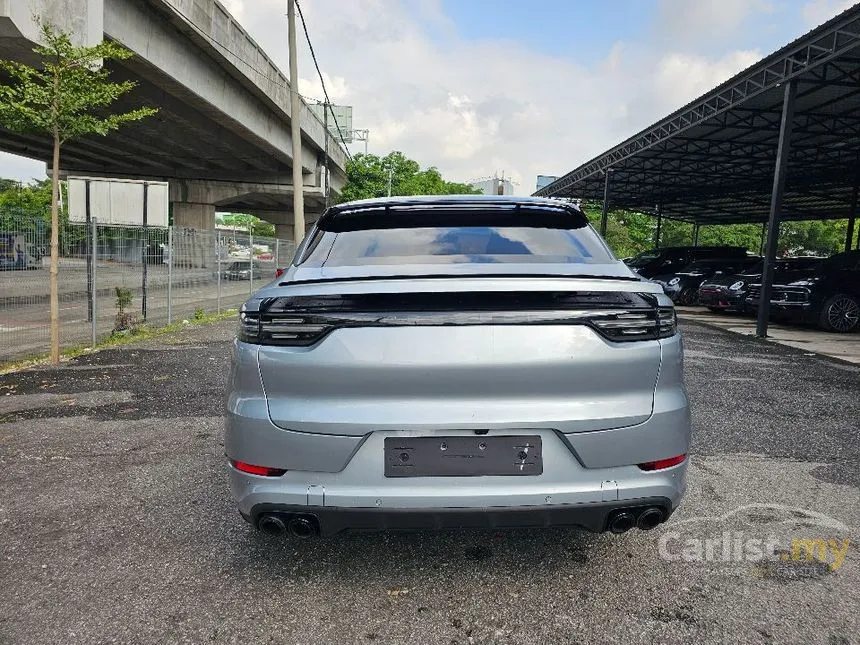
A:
(840, 313)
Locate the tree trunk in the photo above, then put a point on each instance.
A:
(55, 254)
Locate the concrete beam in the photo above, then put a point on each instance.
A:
(198, 78)
(206, 18)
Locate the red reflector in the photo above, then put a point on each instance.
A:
(660, 464)
(279, 273)
(264, 471)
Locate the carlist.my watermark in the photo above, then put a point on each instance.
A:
(771, 534)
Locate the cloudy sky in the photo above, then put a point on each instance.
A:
(478, 87)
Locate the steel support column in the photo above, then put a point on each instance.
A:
(604, 215)
(782, 151)
(659, 226)
(696, 234)
(852, 217)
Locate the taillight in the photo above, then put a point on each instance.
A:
(252, 469)
(279, 273)
(660, 464)
(301, 321)
(263, 328)
(667, 322)
(623, 326)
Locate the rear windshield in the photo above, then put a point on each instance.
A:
(459, 244)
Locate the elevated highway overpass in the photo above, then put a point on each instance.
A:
(222, 134)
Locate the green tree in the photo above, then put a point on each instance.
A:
(249, 223)
(68, 96)
(368, 176)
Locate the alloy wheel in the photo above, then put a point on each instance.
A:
(843, 314)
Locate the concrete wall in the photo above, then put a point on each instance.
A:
(226, 36)
(83, 18)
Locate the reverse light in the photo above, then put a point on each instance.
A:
(662, 464)
(737, 286)
(252, 469)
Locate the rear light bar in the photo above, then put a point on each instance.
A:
(252, 469)
(662, 464)
(293, 322)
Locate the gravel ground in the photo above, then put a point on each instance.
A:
(116, 525)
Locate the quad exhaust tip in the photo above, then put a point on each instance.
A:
(646, 520)
(302, 527)
(271, 524)
(622, 522)
(649, 518)
(298, 526)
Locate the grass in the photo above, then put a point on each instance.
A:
(141, 332)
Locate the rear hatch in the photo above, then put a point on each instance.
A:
(462, 326)
(465, 353)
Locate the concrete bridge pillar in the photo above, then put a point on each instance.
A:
(194, 215)
(284, 231)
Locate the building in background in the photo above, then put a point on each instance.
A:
(544, 180)
(494, 185)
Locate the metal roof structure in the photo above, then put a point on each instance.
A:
(713, 161)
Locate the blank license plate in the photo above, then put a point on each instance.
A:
(463, 456)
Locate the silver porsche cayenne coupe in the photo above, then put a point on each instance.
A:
(453, 362)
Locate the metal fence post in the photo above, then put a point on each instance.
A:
(251, 256)
(94, 245)
(145, 249)
(88, 212)
(218, 267)
(169, 274)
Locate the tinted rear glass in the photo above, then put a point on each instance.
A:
(459, 245)
(455, 234)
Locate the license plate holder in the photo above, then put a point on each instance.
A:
(463, 456)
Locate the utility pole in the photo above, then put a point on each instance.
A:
(325, 163)
(295, 128)
(390, 177)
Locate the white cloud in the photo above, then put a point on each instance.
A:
(476, 107)
(817, 12)
(714, 20)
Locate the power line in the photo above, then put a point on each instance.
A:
(322, 80)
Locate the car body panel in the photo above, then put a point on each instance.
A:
(321, 410)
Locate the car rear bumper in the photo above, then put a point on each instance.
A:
(331, 520)
(557, 495)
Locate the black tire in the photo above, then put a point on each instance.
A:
(840, 314)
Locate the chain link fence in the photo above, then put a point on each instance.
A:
(114, 278)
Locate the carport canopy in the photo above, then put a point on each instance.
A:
(780, 140)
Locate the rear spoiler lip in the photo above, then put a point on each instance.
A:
(582, 276)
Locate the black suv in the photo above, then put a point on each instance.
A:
(674, 258)
(829, 296)
(683, 286)
(728, 292)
